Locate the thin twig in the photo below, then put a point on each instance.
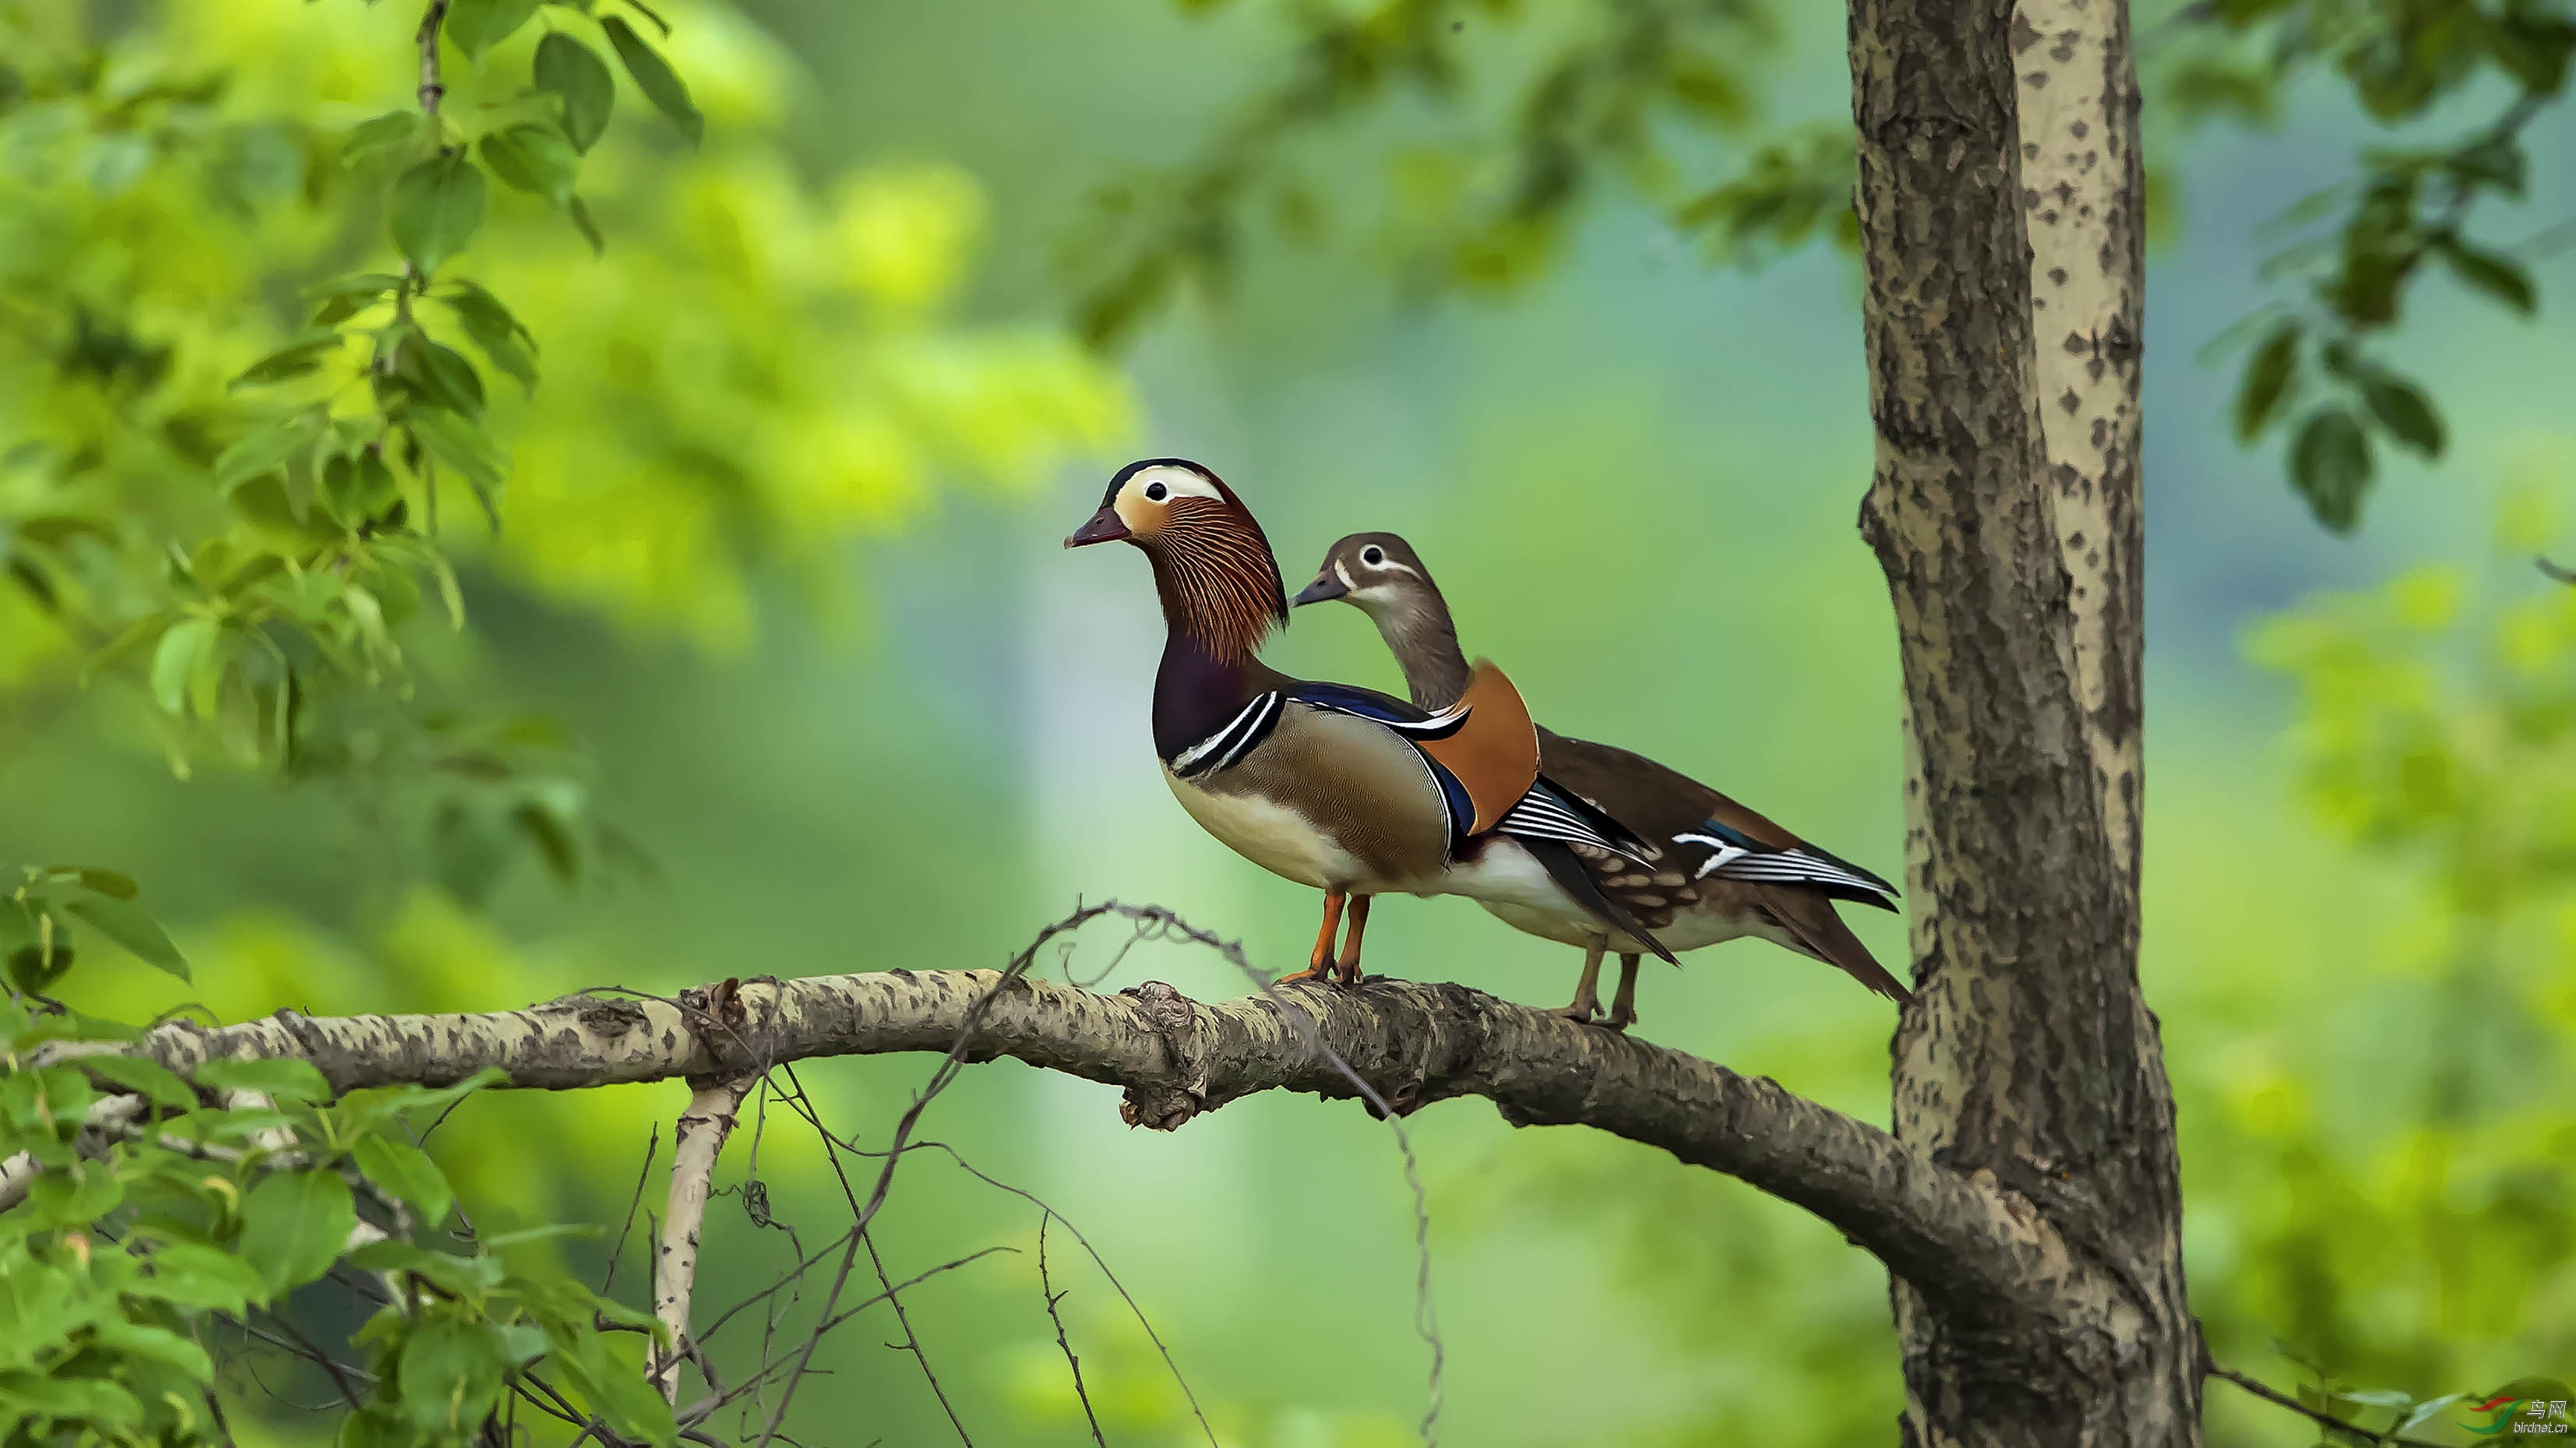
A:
(1046, 1289)
(912, 1340)
(1426, 1319)
(616, 1254)
(940, 1077)
(699, 1413)
(1179, 1379)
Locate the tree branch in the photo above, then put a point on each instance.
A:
(1951, 1235)
(696, 1141)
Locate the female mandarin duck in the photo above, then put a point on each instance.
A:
(1348, 790)
(1721, 870)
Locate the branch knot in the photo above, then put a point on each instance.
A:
(1165, 1105)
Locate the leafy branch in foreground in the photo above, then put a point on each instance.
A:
(145, 1207)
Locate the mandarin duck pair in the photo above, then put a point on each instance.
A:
(1455, 792)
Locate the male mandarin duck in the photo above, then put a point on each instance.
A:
(1720, 871)
(1350, 791)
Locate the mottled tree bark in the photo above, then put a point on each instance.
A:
(2011, 552)
(1954, 1233)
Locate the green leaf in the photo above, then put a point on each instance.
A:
(105, 882)
(2406, 413)
(340, 300)
(293, 360)
(193, 1275)
(386, 132)
(442, 376)
(280, 1078)
(175, 659)
(2534, 47)
(2497, 161)
(147, 1078)
(154, 1344)
(534, 158)
(478, 25)
(580, 79)
(360, 488)
(2423, 1412)
(406, 1172)
(654, 76)
(451, 1373)
(93, 1403)
(460, 444)
(469, 1278)
(2497, 275)
(2330, 464)
(364, 1111)
(264, 450)
(294, 1225)
(579, 211)
(437, 205)
(498, 333)
(2268, 376)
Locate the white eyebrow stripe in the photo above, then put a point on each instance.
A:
(1182, 482)
(1402, 568)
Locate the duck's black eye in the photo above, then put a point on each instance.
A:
(1156, 492)
(1372, 555)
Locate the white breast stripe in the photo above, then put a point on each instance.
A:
(1230, 742)
(1256, 731)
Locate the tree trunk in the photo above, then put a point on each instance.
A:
(2011, 552)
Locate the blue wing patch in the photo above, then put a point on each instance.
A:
(1394, 713)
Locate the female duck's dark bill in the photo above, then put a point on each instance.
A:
(1326, 585)
(1104, 527)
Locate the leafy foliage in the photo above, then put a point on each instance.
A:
(1629, 86)
(157, 1208)
(278, 286)
(1663, 92)
(2357, 247)
(257, 353)
(2441, 737)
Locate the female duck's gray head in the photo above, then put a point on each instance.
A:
(1381, 575)
(1373, 571)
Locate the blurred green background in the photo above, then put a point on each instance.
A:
(910, 731)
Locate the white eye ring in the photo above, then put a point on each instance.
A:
(1156, 492)
(1372, 555)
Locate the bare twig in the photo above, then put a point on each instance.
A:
(1046, 1289)
(1133, 1307)
(912, 1340)
(700, 1412)
(1426, 1312)
(617, 1254)
(696, 1141)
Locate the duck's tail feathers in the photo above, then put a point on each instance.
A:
(1808, 916)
